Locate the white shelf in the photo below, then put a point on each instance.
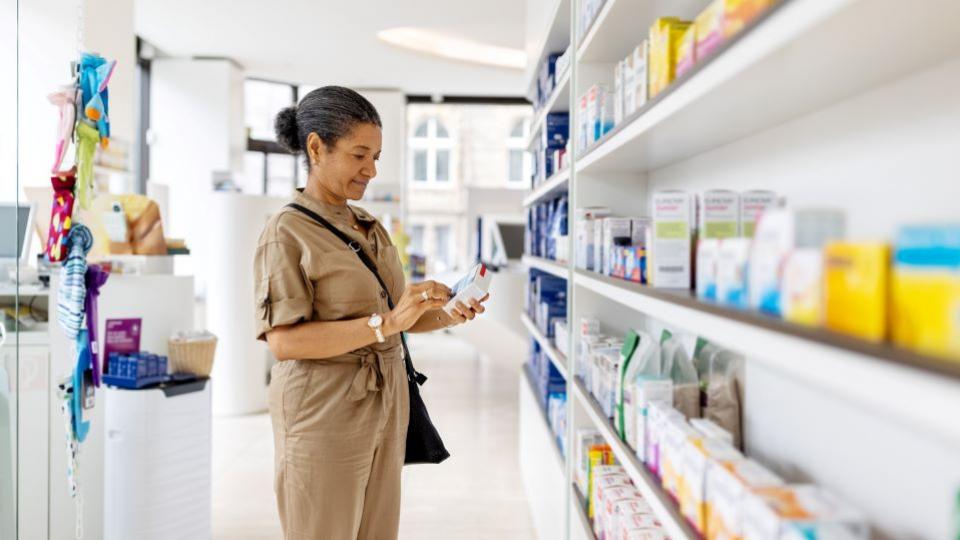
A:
(555, 40)
(861, 372)
(580, 521)
(553, 187)
(668, 514)
(557, 358)
(619, 27)
(551, 267)
(24, 290)
(559, 101)
(802, 57)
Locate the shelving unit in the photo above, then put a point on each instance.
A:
(559, 102)
(552, 187)
(665, 509)
(817, 101)
(557, 358)
(546, 265)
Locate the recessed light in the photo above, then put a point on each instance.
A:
(454, 48)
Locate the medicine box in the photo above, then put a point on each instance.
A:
(739, 13)
(639, 91)
(709, 28)
(708, 256)
(618, 87)
(719, 214)
(614, 230)
(802, 288)
(855, 281)
(728, 484)
(587, 220)
(695, 459)
(472, 286)
(752, 205)
(800, 511)
(670, 255)
(925, 291)
(665, 36)
(687, 51)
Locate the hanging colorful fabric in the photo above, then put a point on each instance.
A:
(95, 279)
(73, 290)
(95, 73)
(66, 101)
(87, 139)
(80, 427)
(61, 216)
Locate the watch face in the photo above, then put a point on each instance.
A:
(375, 320)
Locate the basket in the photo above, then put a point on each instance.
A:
(192, 356)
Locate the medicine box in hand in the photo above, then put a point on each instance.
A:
(472, 286)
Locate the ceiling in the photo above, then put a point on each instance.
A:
(321, 42)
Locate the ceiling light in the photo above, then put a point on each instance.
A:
(430, 42)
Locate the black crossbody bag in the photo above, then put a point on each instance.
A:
(423, 441)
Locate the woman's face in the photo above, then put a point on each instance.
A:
(345, 170)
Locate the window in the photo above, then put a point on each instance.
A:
(262, 100)
(416, 240)
(432, 151)
(519, 165)
(268, 167)
(443, 259)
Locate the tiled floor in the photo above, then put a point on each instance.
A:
(476, 494)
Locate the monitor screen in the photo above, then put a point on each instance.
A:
(13, 218)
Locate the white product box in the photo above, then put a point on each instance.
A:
(752, 205)
(639, 229)
(771, 513)
(583, 140)
(472, 286)
(623, 511)
(587, 220)
(638, 398)
(613, 228)
(695, 456)
(727, 487)
(720, 214)
(708, 256)
(640, 77)
(732, 272)
(669, 258)
(584, 438)
(618, 92)
(629, 86)
(560, 335)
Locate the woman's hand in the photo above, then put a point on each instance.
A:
(416, 300)
(463, 313)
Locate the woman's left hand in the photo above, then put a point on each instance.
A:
(463, 313)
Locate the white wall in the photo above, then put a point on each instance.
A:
(108, 30)
(196, 113)
(887, 157)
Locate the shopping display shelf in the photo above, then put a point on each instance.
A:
(613, 32)
(556, 38)
(557, 358)
(555, 268)
(661, 503)
(559, 101)
(580, 520)
(552, 187)
(531, 385)
(865, 371)
(801, 52)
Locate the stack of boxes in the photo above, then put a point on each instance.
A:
(550, 149)
(547, 230)
(546, 300)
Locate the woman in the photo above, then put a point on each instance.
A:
(338, 395)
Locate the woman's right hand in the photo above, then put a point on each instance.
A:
(417, 299)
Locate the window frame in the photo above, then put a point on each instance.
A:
(267, 147)
(519, 144)
(432, 145)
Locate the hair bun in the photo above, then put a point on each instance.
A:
(286, 129)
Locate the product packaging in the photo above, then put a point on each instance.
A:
(802, 289)
(687, 51)
(752, 205)
(718, 380)
(659, 413)
(584, 439)
(779, 232)
(641, 382)
(618, 87)
(855, 283)
(560, 335)
(711, 430)
(800, 511)
(708, 258)
(728, 484)
(600, 459)
(643, 525)
(607, 501)
(692, 494)
(677, 365)
(719, 214)
(732, 265)
(709, 29)
(645, 534)
(615, 231)
(622, 517)
(676, 434)
(739, 13)
(639, 92)
(665, 36)
(636, 264)
(925, 290)
(640, 231)
(629, 86)
(670, 255)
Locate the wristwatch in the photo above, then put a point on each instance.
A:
(375, 322)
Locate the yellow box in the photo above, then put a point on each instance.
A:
(925, 310)
(737, 14)
(665, 37)
(687, 51)
(709, 28)
(855, 288)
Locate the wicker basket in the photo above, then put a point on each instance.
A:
(192, 356)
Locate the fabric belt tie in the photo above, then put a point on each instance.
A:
(369, 378)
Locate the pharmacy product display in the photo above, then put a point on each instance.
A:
(546, 301)
(550, 148)
(547, 230)
(551, 70)
(472, 286)
(673, 47)
(551, 391)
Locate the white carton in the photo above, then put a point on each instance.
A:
(752, 205)
(727, 487)
(629, 86)
(708, 255)
(587, 220)
(472, 286)
(618, 92)
(613, 228)
(639, 92)
(669, 258)
(720, 214)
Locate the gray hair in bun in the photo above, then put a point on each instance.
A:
(330, 112)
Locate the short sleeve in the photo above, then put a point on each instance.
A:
(284, 296)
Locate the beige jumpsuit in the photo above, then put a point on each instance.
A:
(340, 423)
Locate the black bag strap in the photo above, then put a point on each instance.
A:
(355, 246)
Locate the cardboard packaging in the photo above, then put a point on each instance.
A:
(665, 37)
(719, 214)
(670, 255)
(752, 206)
(855, 283)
